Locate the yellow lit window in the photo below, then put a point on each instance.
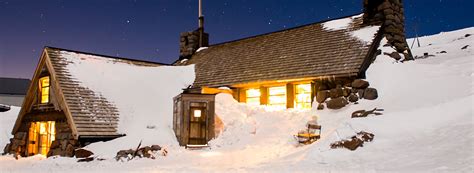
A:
(44, 89)
(277, 97)
(252, 96)
(40, 137)
(303, 96)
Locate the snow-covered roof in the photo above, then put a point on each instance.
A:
(111, 96)
(339, 47)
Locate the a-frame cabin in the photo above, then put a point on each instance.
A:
(59, 115)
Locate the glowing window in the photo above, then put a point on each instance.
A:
(41, 135)
(253, 96)
(44, 89)
(303, 96)
(277, 97)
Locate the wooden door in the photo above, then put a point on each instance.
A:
(197, 126)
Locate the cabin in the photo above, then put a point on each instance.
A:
(59, 113)
(13, 91)
(282, 69)
(285, 69)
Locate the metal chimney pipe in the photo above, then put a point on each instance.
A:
(201, 17)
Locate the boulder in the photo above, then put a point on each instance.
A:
(320, 106)
(69, 150)
(361, 93)
(353, 98)
(155, 148)
(321, 96)
(360, 84)
(83, 153)
(337, 103)
(6, 149)
(353, 144)
(336, 92)
(370, 94)
(54, 144)
(346, 92)
(394, 55)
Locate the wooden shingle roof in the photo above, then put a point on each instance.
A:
(308, 51)
(92, 114)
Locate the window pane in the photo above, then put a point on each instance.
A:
(277, 97)
(252, 93)
(253, 96)
(303, 96)
(44, 89)
(277, 90)
(303, 88)
(253, 101)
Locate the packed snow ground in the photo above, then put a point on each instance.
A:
(427, 126)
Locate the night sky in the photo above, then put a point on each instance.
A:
(149, 29)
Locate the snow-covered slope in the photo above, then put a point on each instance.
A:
(7, 120)
(427, 126)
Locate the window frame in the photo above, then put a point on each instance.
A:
(284, 104)
(296, 94)
(253, 97)
(41, 87)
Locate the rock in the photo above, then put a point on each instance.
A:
(63, 144)
(321, 96)
(336, 92)
(88, 159)
(354, 90)
(366, 136)
(6, 149)
(361, 93)
(370, 94)
(155, 148)
(346, 92)
(394, 55)
(360, 84)
(69, 150)
(320, 106)
(20, 135)
(55, 152)
(353, 144)
(353, 98)
(54, 144)
(337, 103)
(73, 142)
(83, 153)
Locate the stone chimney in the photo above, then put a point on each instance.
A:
(190, 42)
(389, 14)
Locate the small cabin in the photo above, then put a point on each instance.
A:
(193, 119)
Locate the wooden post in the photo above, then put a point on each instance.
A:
(290, 95)
(263, 95)
(242, 96)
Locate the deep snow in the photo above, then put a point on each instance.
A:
(427, 126)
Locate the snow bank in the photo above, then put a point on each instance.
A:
(143, 96)
(7, 120)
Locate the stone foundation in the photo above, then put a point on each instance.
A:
(63, 145)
